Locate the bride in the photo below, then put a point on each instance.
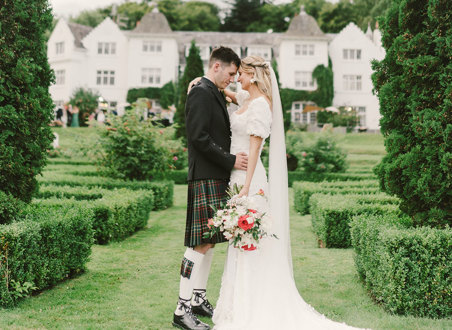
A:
(258, 290)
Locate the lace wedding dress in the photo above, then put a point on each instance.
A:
(257, 290)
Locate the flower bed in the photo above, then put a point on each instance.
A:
(331, 215)
(406, 270)
(43, 248)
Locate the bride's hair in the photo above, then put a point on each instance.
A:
(261, 70)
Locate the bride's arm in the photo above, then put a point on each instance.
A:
(255, 144)
(232, 95)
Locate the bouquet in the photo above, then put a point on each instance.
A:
(240, 221)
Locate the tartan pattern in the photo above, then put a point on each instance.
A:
(202, 194)
(186, 268)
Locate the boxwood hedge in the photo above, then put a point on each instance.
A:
(331, 215)
(406, 270)
(304, 190)
(43, 248)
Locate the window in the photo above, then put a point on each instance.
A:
(107, 48)
(297, 116)
(150, 76)
(297, 106)
(60, 77)
(304, 50)
(305, 117)
(59, 47)
(264, 52)
(352, 83)
(152, 46)
(105, 77)
(313, 117)
(303, 79)
(351, 54)
(362, 116)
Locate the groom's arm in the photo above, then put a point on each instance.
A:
(197, 121)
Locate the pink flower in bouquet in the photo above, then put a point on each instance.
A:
(260, 192)
(244, 224)
(251, 247)
(210, 223)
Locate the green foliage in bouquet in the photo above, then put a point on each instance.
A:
(136, 150)
(414, 86)
(324, 156)
(26, 107)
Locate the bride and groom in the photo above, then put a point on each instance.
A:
(257, 290)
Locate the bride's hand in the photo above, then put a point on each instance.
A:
(244, 191)
(193, 82)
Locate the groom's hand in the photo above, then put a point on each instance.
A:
(241, 161)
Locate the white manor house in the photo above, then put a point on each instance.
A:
(112, 61)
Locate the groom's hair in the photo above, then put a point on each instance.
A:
(225, 55)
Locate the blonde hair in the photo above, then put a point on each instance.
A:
(261, 71)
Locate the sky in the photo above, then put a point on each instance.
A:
(73, 7)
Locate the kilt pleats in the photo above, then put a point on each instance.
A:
(201, 195)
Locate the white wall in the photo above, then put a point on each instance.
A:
(351, 37)
(289, 62)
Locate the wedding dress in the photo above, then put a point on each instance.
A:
(258, 291)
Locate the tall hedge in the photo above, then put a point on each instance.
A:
(26, 108)
(414, 88)
(193, 69)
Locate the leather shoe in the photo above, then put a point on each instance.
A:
(205, 309)
(189, 321)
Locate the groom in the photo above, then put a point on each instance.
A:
(210, 165)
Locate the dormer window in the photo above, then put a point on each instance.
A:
(351, 54)
(59, 47)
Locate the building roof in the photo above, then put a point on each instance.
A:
(153, 22)
(79, 31)
(304, 25)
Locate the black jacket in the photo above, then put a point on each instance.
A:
(208, 133)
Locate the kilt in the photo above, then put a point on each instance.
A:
(202, 194)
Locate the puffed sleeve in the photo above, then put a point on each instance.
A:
(259, 119)
(241, 97)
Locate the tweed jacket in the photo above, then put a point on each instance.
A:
(208, 133)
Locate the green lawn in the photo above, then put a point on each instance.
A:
(134, 283)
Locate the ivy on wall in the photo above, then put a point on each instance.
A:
(322, 96)
(165, 94)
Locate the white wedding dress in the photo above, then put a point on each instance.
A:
(258, 291)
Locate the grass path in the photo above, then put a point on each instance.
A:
(134, 284)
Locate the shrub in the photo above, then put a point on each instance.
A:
(414, 87)
(116, 214)
(163, 190)
(331, 215)
(26, 108)
(43, 248)
(304, 190)
(10, 208)
(406, 270)
(136, 150)
(322, 157)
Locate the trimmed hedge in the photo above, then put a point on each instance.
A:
(294, 176)
(406, 270)
(304, 190)
(163, 190)
(178, 176)
(66, 161)
(116, 215)
(331, 215)
(45, 247)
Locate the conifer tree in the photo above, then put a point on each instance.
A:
(26, 107)
(414, 87)
(194, 68)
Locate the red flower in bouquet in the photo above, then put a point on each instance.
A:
(244, 224)
(251, 247)
(252, 211)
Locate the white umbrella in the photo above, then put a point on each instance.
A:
(332, 109)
